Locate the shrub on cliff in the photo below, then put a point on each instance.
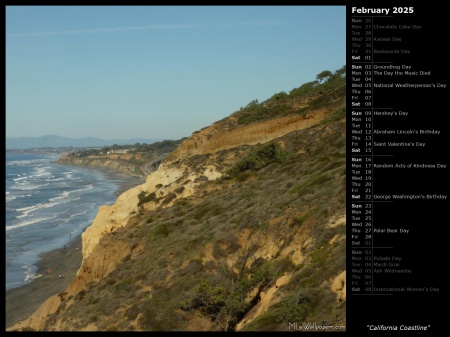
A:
(258, 158)
(144, 198)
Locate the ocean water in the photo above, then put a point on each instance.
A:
(48, 205)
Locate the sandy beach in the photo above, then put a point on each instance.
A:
(23, 301)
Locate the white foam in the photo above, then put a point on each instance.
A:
(53, 179)
(81, 213)
(28, 223)
(66, 194)
(31, 276)
(27, 186)
(52, 202)
(42, 171)
(21, 178)
(27, 209)
(62, 196)
(10, 197)
(20, 162)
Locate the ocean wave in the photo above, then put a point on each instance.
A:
(29, 277)
(70, 174)
(66, 194)
(30, 272)
(42, 171)
(89, 207)
(28, 223)
(73, 213)
(10, 197)
(27, 186)
(26, 162)
(62, 199)
(53, 179)
(42, 222)
(13, 197)
(29, 208)
(62, 196)
(21, 178)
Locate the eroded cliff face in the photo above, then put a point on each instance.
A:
(177, 177)
(228, 134)
(109, 162)
(201, 158)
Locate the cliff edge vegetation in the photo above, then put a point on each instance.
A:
(241, 228)
(137, 160)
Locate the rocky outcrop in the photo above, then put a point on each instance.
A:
(217, 137)
(339, 286)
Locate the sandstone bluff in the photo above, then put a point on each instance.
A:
(229, 262)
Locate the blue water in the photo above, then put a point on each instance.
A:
(48, 205)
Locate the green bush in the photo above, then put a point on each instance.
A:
(144, 198)
(163, 230)
(258, 158)
(338, 114)
(304, 89)
(293, 308)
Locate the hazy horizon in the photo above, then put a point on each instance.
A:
(56, 141)
(62, 136)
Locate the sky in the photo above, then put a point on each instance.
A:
(118, 72)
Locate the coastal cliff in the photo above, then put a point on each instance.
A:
(109, 162)
(241, 227)
(138, 160)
